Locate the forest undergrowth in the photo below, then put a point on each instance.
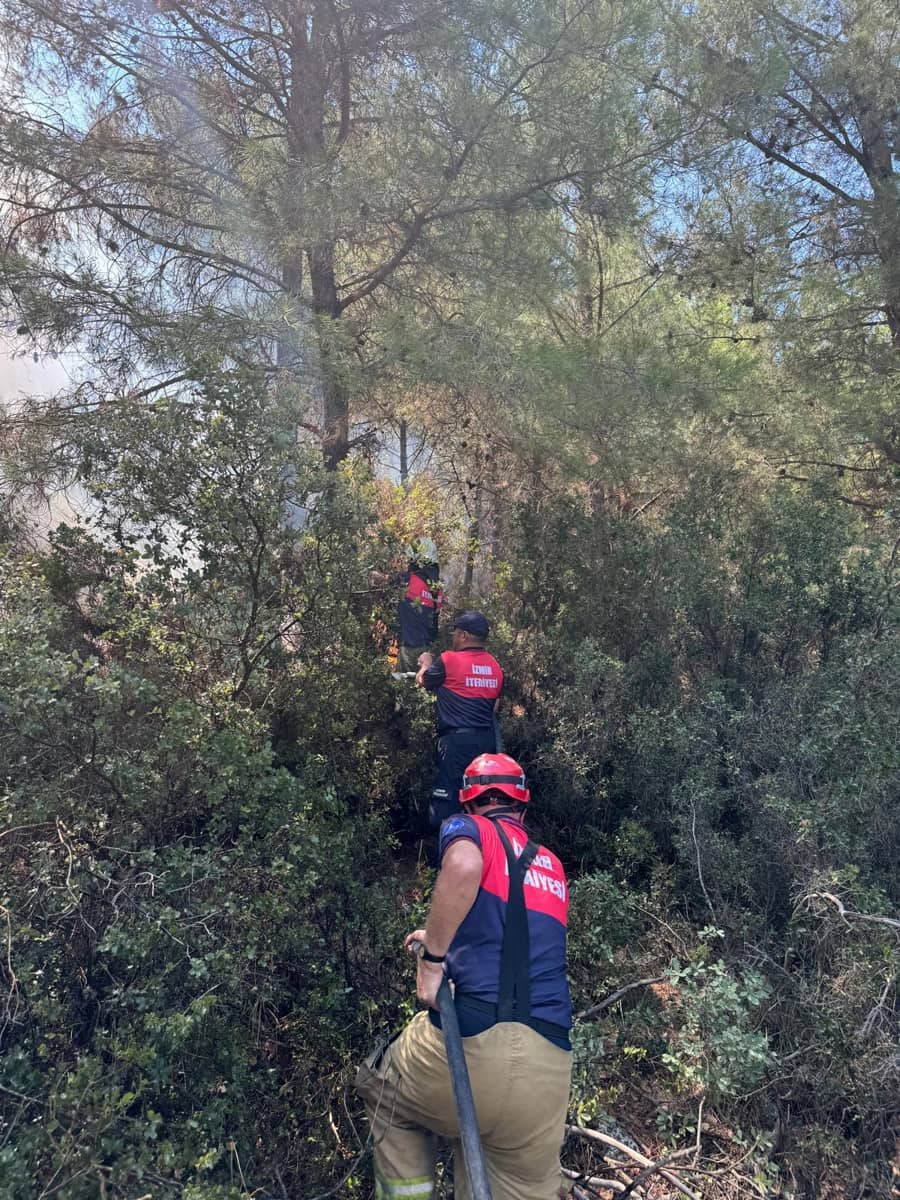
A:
(602, 297)
(212, 819)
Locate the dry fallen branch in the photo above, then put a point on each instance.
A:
(592, 1181)
(13, 1002)
(652, 1168)
(616, 995)
(876, 1014)
(18, 828)
(848, 913)
(642, 1159)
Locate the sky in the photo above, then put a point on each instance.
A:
(21, 376)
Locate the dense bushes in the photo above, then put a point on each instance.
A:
(711, 721)
(198, 746)
(210, 806)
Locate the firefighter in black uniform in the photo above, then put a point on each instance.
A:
(417, 613)
(467, 682)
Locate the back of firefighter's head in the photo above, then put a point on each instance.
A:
(493, 779)
(470, 628)
(422, 551)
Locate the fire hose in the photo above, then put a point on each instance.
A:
(473, 1155)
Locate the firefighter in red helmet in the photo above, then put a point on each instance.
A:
(497, 927)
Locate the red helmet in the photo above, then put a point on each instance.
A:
(496, 772)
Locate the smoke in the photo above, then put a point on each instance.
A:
(21, 376)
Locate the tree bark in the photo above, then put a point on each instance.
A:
(404, 452)
(885, 210)
(286, 350)
(335, 395)
(307, 144)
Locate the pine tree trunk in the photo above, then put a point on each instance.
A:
(307, 142)
(885, 210)
(404, 452)
(335, 396)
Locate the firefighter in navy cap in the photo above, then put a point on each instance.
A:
(467, 682)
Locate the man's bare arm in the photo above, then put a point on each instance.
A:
(454, 894)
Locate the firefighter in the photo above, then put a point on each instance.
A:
(419, 608)
(497, 927)
(467, 682)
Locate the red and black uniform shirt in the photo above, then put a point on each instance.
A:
(473, 960)
(417, 613)
(467, 683)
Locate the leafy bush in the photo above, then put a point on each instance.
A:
(713, 1046)
(709, 720)
(192, 911)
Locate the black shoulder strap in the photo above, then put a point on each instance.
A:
(514, 996)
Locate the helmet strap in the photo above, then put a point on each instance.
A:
(505, 810)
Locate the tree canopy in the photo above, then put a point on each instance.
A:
(603, 297)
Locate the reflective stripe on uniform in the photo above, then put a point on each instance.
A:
(389, 1189)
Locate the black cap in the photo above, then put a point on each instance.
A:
(473, 622)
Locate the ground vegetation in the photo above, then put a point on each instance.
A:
(616, 284)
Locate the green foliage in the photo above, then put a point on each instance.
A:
(714, 1046)
(628, 276)
(709, 727)
(603, 919)
(189, 920)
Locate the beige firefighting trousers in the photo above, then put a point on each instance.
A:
(520, 1082)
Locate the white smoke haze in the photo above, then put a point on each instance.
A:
(21, 376)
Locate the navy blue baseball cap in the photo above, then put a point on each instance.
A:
(473, 622)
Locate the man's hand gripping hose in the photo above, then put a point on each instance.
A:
(473, 1155)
